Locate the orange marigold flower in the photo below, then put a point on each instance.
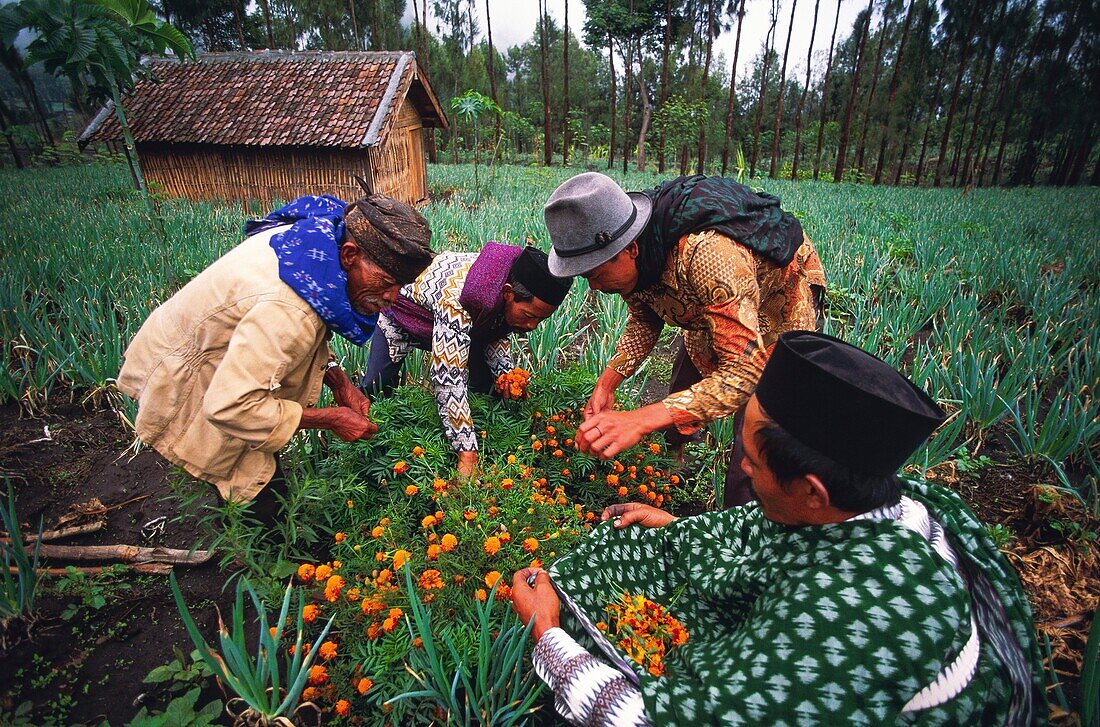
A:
(558, 453)
(536, 445)
(530, 545)
(459, 579)
(271, 630)
(400, 558)
(351, 504)
(439, 484)
(343, 708)
(310, 613)
(505, 537)
(401, 467)
(318, 675)
(491, 578)
(434, 551)
(305, 572)
(481, 595)
(418, 643)
(623, 491)
(511, 459)
(428, 521)
(384, 576)
(430, 579)
(469, 514)
(411, 490)
(651, 495)
(371, 605)
(536, 563)
(507, 483)
(377, 532)
(491, 545)
(311, 694)
(327, 650)
(374, 631)
(612, 480)
(418, 451)
(340, 537)
(448, 542)
(333, 587)
(352, 595)
(674, 479)
(655, 448)
(322, 573)
(364, 685)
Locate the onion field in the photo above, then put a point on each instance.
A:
(988, 298)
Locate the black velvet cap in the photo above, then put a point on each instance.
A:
(845, 403)
(531, 269)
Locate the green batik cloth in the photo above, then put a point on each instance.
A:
(839, 624)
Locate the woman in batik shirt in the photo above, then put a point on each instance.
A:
(707, 255)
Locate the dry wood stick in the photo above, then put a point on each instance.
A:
(48, 535)
(126, 554)
(159, 569)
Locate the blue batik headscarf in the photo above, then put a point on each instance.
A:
(309, 261)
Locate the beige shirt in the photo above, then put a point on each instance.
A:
(222, 370)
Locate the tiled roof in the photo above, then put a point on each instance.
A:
(276, 98)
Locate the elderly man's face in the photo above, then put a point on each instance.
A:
(617, 275)
(780, 504)
(370, 288)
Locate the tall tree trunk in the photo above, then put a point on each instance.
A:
(1027, 166)
(566, 136)
(237, 21)
(968, 170)
(663, 92)
(964, 56)
(733, 89)
(884, 30)
(628, 84)
(1081, 158)
(991, 128)
(846, 127)
(928, 121)
(547, 125)
(960, 137)
(614, 101)
(802, 98)
(825, 94)
(355, 45)
(1012, 105)
(773, 172)
(769, 42)
(5, 128)
(702, 154)
(267, 23)
(492, 71)
(647, 114)
(419, 18)
(899, 60)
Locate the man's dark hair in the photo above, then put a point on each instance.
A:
(519, 290)
(848, 490)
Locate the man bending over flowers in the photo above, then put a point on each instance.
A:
(462, 309)
(843, 596)
(230, 367)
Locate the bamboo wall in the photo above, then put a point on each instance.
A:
(269, 174)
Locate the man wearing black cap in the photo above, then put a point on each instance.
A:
(462, 308)
(230, 367)
(844, 596)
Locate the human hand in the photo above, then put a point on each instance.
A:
(350, 425)
(628, 513)
(539, 602)
(346, 393)
(467, 464)
(610, 432)
(601, 399)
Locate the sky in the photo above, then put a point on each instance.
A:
(514, 24)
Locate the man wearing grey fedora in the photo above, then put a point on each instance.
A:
(705, 254)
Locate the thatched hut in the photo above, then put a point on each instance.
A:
(276, 125)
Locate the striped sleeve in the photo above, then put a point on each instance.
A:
(586, 691)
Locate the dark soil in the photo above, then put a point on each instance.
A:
(89, 669)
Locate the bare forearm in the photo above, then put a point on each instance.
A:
(609, 380)
(319, 418)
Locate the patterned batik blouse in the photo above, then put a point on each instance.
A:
(733, 305)
(438, 289)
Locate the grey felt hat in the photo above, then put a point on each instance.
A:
(591, 219)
